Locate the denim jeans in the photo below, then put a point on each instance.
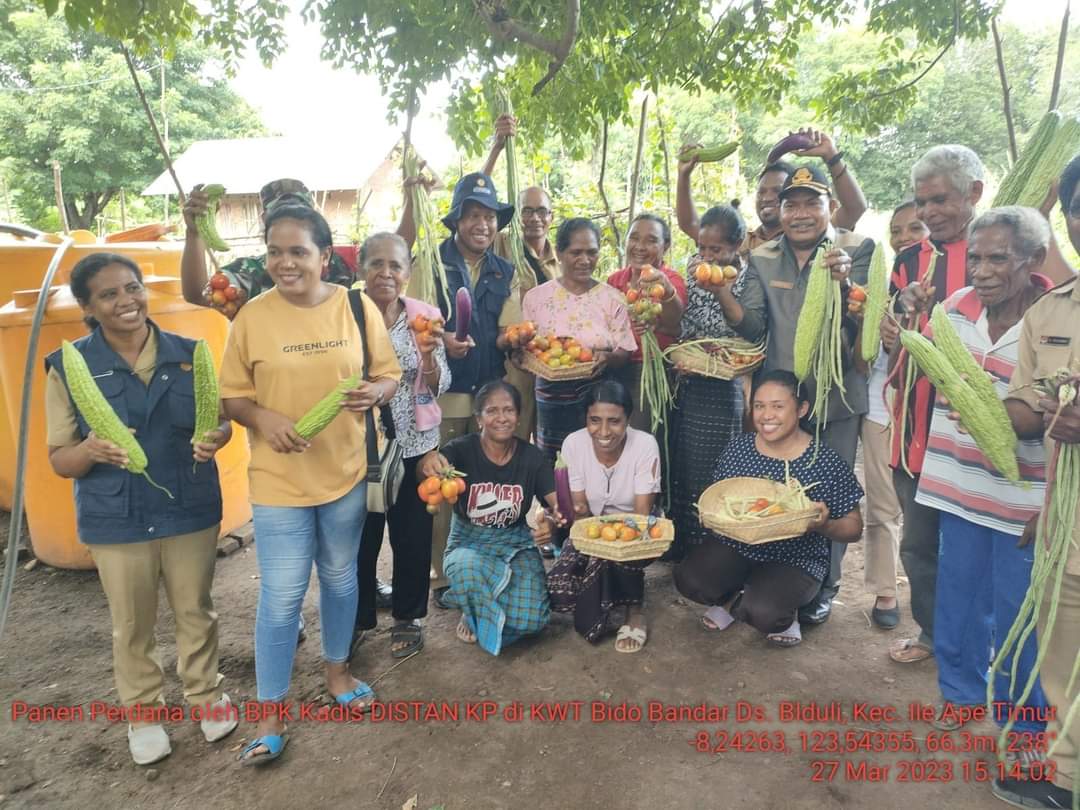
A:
(982, 580)
(287, 540)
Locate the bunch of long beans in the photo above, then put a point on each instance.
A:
(1053, 539)
(428, 275)
(517, 232)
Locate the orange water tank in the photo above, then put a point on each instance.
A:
(22, 267)
(50, 500)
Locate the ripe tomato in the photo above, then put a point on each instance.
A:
(702, 273)
(219, 281)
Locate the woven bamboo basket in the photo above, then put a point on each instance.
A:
(755, 530)
(698, 360)
(578, 371)
(644, 548)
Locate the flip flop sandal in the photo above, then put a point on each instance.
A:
(464, 632)
(275, 745)
(626, 632)
(717, 619)
(909, 651)
(790, 637)
(412, 634)
(361, 692)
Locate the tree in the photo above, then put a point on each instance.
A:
(69, 98)
(571, 66)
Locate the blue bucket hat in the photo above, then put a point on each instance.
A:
(477, 187)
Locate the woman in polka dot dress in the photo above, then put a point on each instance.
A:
(764, 584)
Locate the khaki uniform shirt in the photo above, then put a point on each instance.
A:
(525, 277)
(1049, 340)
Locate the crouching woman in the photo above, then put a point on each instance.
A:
(764, 584)
(139, 535)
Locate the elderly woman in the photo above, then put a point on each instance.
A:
(309, 496)
(576, 305)
(613, 469)
(983, 572)
(708, 412)
(138, 535)
(412, 418)
(495, 571)
(647, 244)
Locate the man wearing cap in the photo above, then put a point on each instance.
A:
(475, 217)
(249, 273)
(771, 300)
(534, 206)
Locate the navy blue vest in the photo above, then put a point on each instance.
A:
(483, 363)
(115, 506)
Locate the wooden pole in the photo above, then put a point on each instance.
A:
(637, 160)
(58, 187)
(603, 196)
(667, 164)
(153, 124)
(123, 210)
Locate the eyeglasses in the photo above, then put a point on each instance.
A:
(542, 213)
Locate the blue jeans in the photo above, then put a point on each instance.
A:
(982, 579)
(288, 539)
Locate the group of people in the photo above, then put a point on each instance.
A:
(467, 407)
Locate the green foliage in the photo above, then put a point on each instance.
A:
(70, 98)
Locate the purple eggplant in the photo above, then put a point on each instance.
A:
(794, 142)
(462, 314)
(563, 499)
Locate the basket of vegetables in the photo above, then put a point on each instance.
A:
(623, 538)
(553, 357)
(721, 358)
(756, 510)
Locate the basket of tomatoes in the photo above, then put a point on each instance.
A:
(447, 487)
(553, 357)
(623, 537)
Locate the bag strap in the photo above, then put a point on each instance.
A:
(356, 302)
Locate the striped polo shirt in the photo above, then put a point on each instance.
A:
(956, 476)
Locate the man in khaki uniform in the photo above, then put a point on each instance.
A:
(1050, 340)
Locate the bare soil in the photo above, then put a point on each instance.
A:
(57, 651)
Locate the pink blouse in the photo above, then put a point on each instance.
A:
(612, 489)
(597, 319)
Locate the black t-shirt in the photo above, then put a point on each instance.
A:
(498, 497)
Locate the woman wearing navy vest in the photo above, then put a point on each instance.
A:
(137, 534)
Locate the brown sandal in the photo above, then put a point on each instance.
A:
(909, 651)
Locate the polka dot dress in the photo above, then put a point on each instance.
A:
(838, 489)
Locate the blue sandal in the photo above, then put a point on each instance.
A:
(275, 744)
(361, 692)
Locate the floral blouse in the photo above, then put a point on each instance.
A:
(703, 317)
(413, 442)
(597, 319)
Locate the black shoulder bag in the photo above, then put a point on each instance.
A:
(385, 470)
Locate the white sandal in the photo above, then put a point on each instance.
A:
(628, 633)
(717, 618)
(787, 638)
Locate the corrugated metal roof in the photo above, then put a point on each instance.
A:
(244, 165)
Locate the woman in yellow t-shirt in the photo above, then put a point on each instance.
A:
(288, 347)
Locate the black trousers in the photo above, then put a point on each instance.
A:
(713, 573)
(410, 539)
(919, 553)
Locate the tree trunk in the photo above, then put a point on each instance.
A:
(637, 158)
(1062, 39)
(1005, 96)
(93, 203)
(603, 197)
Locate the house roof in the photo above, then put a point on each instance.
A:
(244, 165)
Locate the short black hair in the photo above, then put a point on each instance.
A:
(664, 228)
(487, 390)
(611, 392)
(906, 204)
(88, 267)
(728, 218)
(316, 223)
(571, 226)
(1067, 185)
(779, 166)
(785, 378)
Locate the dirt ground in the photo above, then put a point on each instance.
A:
(57, 651)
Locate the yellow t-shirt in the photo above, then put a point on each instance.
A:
(286, 358)
(61, 425)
